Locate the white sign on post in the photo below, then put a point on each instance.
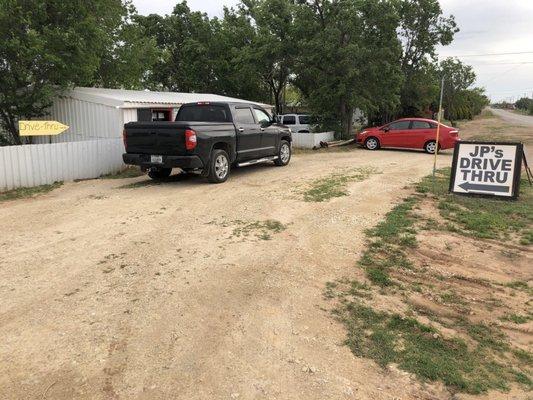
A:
(487, 168)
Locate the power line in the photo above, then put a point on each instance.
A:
(493, 54)
(511, 91)
(509, 63)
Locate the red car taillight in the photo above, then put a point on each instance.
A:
(125, 139)
(454, 132)
(190, 139)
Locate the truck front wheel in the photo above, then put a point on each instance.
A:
(219, 167)
(159, 173)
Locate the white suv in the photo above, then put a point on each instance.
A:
(297, 122)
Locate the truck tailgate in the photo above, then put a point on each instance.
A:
(161, 138)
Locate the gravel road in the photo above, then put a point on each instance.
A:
(513, 118)
(171, 291)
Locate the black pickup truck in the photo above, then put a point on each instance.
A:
(207, 138)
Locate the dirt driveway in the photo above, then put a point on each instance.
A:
(174, 291)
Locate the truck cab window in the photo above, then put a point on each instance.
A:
(203, 113)
(261, 116)
(244, 116)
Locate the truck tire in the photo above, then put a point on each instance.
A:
(284, 154)
(219, 167)
(159, 173)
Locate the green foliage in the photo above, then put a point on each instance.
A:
(460, 101)
(524, 103)
(47, 46)
(349, 58)
(422, 28)
(23, 193)
(332, 56)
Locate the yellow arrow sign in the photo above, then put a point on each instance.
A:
(41, 128)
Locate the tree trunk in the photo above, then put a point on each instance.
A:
(346, 116)
(11, 128)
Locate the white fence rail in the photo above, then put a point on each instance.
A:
(310, 140)
(40, 164)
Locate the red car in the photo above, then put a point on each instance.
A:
(411, 133)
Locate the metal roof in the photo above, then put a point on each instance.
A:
(143, 98)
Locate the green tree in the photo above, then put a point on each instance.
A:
(236, 69)
(128, 55)
(422, 27)
(460, 101)
(183, 39)
(349, 58)
(47, 46)
(524, 103)
(273, 49)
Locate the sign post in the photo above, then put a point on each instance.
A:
(41, 128)
(487, 168)
(439, 118)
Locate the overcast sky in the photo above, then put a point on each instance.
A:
(487, 26)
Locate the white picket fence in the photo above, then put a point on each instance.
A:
(40, 164)
(310, 140)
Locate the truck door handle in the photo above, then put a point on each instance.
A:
(241, 130)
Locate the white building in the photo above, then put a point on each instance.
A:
(94, 113)
(92, 146)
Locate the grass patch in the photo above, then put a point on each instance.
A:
(390, 239)
(24, 193)
(419, 349)
(517, 318)
(484, 218)
(262, 230)
(334, 185)
(130, 172)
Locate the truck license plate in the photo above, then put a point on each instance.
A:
(156, 159)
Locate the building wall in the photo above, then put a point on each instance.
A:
(87, 121)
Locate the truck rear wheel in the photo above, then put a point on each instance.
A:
(159, 173)
(219, 167)
(284, 154)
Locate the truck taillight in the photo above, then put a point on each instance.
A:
(125, 139)
(190, 139)
(455, 132)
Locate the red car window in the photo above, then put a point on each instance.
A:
(421, 125)
(399, 126)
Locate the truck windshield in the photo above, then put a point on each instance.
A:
(203, 113)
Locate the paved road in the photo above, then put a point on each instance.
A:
(516, 119)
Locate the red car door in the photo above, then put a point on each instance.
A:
(421, 132)
(396, 134)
